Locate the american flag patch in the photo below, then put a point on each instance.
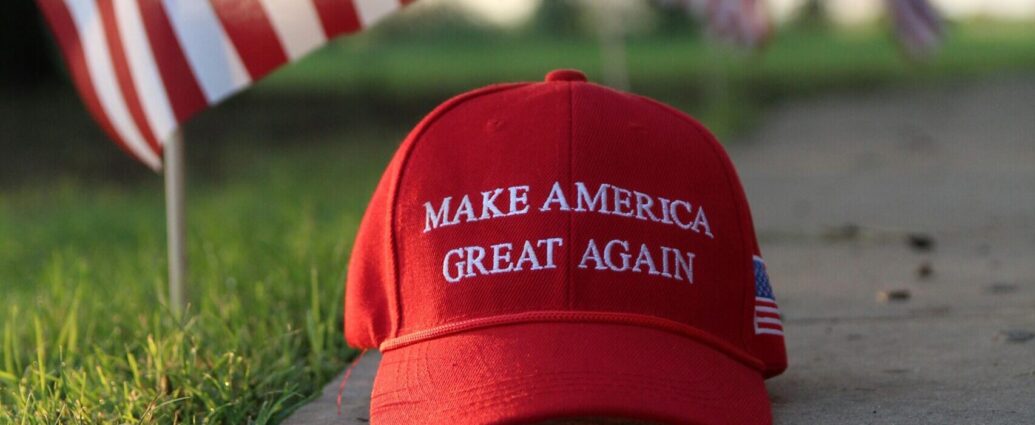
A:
(767, 314)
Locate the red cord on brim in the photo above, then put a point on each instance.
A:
(345, 379)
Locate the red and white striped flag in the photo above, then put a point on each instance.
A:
(143, 67)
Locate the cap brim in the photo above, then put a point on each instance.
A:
(530, 372)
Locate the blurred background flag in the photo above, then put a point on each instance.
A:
(143, 67)
(918, 26)
(742, 22)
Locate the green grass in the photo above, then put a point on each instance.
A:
(85, 333)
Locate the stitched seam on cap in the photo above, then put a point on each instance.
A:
(745, 293)
(714, 145)
(569, 288)
(409, 146)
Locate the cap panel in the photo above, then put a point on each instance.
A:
(370, 292)
(764, 341)
(470, 241)
(371, 300)
(665, 238)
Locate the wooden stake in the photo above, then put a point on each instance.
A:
(175, 219)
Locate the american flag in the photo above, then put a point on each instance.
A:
(767, 314)
(741, 22)
(744, 22)
(143, 67)
(919, 27)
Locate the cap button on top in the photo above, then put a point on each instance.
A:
(566, 75)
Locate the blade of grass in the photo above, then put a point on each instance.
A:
(41, 357)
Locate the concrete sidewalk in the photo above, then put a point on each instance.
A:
(899, 231)
(838, 185)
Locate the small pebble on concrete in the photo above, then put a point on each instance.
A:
(844, 232)
(893, 295)
(920, 242)
(1016, 335)
(925, 270)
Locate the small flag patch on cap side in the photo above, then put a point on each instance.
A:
(767, 313)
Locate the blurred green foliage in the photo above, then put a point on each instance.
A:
(442, 22)
(672, 20)
(723, 86)
(811, 16)
(559, 18)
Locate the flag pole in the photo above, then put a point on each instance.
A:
(611, 35)
(176, 228)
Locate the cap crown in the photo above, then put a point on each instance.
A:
(561, 200)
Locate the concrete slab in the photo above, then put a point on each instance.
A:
(355, 405)
(838, 185)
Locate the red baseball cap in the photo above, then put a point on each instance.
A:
(561, 249)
